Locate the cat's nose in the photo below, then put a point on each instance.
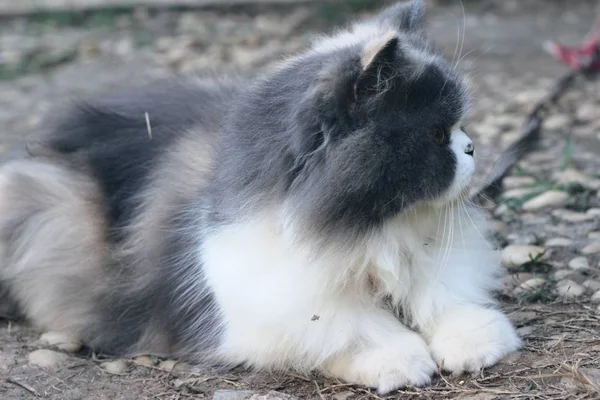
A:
(470, 149)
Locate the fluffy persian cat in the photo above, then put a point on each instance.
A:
(313, 218)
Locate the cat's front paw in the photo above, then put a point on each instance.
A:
(388, 366)
(472, 338)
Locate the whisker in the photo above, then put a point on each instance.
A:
(462, 6)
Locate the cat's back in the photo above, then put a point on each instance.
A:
(125, 139)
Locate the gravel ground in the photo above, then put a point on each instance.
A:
(547, 218)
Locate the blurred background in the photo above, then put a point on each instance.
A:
(547, 219)
(51, 50)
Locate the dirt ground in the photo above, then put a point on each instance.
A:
(550, 202)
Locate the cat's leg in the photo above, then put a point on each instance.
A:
(454, 308)
(281, 312)
(383, 354)
(467, 338)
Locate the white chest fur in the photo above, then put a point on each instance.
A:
(282, 299)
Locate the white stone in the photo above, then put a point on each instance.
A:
(505, 121)
(572, 216)
(596, 297)
(501, 210)
(591, 248)
(144, 361)
(557, 121)
(167, 365)
(525, 331)
(510, 281)
(558, 242)
(516, 255)
(226, 394)
(485, 130)
(570, 175)
(60, 341)
(518, 193)
(579, 263)
(569, 289)
(562, 274)
(342, 395)
(114, 367)
(522, 317)
(529, 96)
(592, 183)
(529, 285)
(514, 182)
(478, 396)
(45, 358)
(273, 395)
(592, 285)
(551, 198)
(594, 235)
(588, 112)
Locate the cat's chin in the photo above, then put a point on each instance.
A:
(450, 198)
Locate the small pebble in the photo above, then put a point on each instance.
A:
(551, 198)
(529, 286)
(512, 280)
(588, 112)
(596, 297)
(556, 122)
(592, 285)
(562, 274)
(520, 317)
(167, 365)
(579, 263)
(591, 248)
(144, 361)
(60, 341)
(273, 395)
(518, 193)
(558, 242)
(342, 395)
(516, 255)
(226, 394)
(569, 289)
(570, 175)
(572, 216)
(502, 209)
(182, 367)
(114, 367)
(529, 96)
(47, 358)
(514, 182)
(595, 235)
(479, 396)
(525, 331)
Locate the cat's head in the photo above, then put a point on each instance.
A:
(360, 128)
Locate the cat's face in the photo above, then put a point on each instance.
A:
(381, 129)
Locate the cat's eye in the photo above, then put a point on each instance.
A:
(438, 136)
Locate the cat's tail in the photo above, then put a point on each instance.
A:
(52, 243)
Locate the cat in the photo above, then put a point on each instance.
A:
(313, 218)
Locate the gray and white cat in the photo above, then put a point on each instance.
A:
(313, 218)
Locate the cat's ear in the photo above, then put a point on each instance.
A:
(404, 16)
(378, 60)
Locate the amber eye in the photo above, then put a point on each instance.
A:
(438, 136)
